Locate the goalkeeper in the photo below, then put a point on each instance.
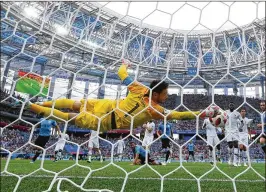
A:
(87, 113)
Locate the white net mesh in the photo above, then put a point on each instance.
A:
(74, 50)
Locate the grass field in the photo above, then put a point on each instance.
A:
(145, 179)
(30, 86)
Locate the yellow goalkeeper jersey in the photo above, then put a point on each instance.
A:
(134, 108)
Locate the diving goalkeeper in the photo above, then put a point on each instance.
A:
(116, 114)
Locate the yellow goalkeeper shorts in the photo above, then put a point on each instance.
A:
(93, 108)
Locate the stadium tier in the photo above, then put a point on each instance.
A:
(132, 96)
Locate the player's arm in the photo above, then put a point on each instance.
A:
(57, 129)
(87, 135)
(135, 161)
(240, 124)
(185, 115)
(259, 125)
(171, 133)
(171, 114)
(54, 124)
(57, 136)
(149, 128)
(204, 125)
(134, 87)
(123, 75)
(158, 131)
(240, 119)
(249, 131)
(249, 126)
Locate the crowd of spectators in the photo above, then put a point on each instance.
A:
(12, 139)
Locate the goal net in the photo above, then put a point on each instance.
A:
(209, 54)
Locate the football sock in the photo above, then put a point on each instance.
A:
(60, 103)
(47, 111)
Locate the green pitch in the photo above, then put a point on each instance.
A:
(145, 179)
(30, 86)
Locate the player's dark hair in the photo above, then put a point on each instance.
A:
(243, 108)
(158, 86)
(262, 101)
(41, 115)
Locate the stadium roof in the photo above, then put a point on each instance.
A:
(89, 38)
(187, 16)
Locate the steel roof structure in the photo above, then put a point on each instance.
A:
(97, 40)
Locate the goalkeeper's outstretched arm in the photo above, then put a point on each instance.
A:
(123, 75)
(171, 114)
(133, 87)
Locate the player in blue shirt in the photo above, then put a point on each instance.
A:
(140, 155)
(166, 142)
(44, 134)
(191, 148)
(263, 119)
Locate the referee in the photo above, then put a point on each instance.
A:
(44, 134)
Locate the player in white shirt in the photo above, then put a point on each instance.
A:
(62, 138)
(262, 126)
(93, 144)
(120, 148)
(149, 134)
(212, 138)
(243, 137)
(232, 125)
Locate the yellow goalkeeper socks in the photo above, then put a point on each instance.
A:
(60, 103)
(47, 111)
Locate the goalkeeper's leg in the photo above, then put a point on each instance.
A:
(62, 104)
(48, 111)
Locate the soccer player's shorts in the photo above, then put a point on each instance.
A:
(147, 141)
(42, 140)
(119, 150)
(142, 159)
(212, 140)
(232, 136)
(191, 153)
(243, 138)
(94, 143)
(166, 143)
(93, 108)
(59, 146)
